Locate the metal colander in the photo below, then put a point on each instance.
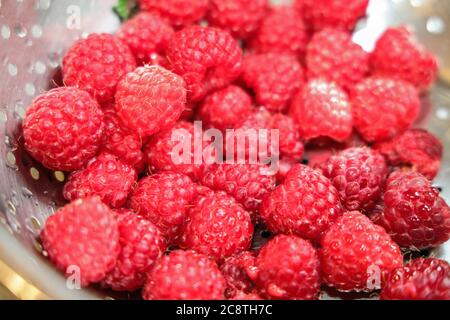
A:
(34, 35)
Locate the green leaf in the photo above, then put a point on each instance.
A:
(125, 8)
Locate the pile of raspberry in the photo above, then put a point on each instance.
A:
(138, 220)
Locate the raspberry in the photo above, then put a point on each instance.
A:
(420, 279)
(184, 275)
(417, 149)
(82, 236)
(218, 226)
(178, 12)
(161, 150)
(141, 245)
(207, 58)
(150, 99)
(287, 267)
(224, 109)
(384, 108)
(97, 64)
(357, 255)
(306, 204)
(414, 214)
(63, 128)
(146, 34)
(120, 141)
(163, 199)
(320, 14)
(331, 55)
(245, 296)
(291, 145)
(359, 175)
(240, 17)
(105, 176)
(322, 109)
(234, 269)
(247, 183)
(274, 78)
(398, 54)
(281, 31)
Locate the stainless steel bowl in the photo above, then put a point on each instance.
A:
(34, 35)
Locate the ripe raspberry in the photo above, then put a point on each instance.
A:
(163, 199)
(417, 149)
(240, 17)
(398, 54)
(178, 12)
(359, 174)
(287, 267)
(207, 58)
(320, 14)
(291, 145)
(121, 141)
(224, 109)
(141, 245)
(63, 128)
(357, 255)
(281, 31)
(184, 275)
(150, 99)
(97, 64)
(274, 78)
(234, 269)
(384, 108)
(322, 109)
(420, 279)
(247, 183)
(414, 214)
(146, 34)
(84, 235)
(162, 153)
(306, 204)
(105, 176)
(331, 55)
(218, 226)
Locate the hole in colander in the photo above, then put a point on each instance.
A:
(40, 67)
(20, 30)
(6, 32)
(43, 4)
(12, 69)
(30, 89)
(36, 31)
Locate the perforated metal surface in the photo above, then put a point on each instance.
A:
(33, 37)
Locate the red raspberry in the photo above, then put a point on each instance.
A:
(141, 245)
(178, 12)
(224, 109)
(240, 17)
(247, 183)
(417, 149)
(97, 64)
(287, 267)
(274, 78)
(339, 14)
(234, 269)
(184, 275)
(357, 255)
(161, 150)
(359, 174)
(291, 145)
(120, 141)
(398, 54)
(414, 214)
(331, 55)
(322, 109)
(420, 279)
(306, 204)
(163, 199)
(63, 128)
(245, 296)
(218, 226)
(105, 176)
(146, 34)
(150, 99)
(207, 58)
(82, 238)
(281, 31)
(384, 108)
